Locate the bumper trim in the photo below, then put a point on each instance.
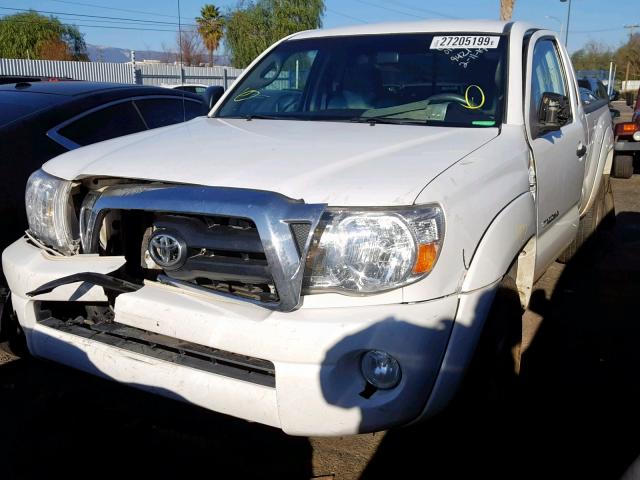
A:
(161, 347)
(630, 146)
(100, 279)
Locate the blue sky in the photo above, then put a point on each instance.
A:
(590, 19)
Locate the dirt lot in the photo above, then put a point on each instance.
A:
(575, 411)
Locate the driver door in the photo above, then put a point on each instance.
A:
(559, 155)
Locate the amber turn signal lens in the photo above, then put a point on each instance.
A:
(626, 127)
(426, 258)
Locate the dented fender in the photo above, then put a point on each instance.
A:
(501, 243)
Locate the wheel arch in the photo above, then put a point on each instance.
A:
(510, 236)
(604, 166)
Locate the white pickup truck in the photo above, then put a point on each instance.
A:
(322, 252)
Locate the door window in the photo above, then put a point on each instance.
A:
(547, 73)
(104, 124)
(159, 112)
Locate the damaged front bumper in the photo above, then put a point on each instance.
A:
(312, 354)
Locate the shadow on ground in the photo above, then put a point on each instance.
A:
(575, 410)
(59, 422)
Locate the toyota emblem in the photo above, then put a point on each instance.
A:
(167, 250)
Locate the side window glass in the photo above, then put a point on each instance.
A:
(194, 109)
(294, 72)
(546, 72)
(104, 124)
(160, 112)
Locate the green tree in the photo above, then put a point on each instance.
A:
(629, 53)
(211, 28)
(255, 25)
(593, 56)
(31, 35)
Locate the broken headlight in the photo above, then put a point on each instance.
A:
(50, 211)
(369, 251)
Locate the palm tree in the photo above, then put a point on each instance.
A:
(506, 9)
(210, 27)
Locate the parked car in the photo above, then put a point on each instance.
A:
(39, 121)
(4, 79)
(595, 86)
(627, 146)
(210, 93)
(198, 88)
(323, 252)
(586, 96)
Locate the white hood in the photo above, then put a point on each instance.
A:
(321, 162)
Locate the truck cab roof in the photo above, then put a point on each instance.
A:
(423, 26)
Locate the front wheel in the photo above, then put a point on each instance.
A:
(496, 364)
(12, 339)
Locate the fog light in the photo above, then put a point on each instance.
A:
(380, 369)
(636, 136)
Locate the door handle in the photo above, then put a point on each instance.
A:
(582, 150)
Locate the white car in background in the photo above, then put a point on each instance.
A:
(198, 88)
(322, 252)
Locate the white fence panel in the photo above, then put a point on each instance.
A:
(92, 71)
(158, 74)
(141, 73)
(631, 85)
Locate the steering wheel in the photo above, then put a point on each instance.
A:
(287, 102)
(447, 97)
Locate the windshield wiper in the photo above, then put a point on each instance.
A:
(394, 121)
(259, 116)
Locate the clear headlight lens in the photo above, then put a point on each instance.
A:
(50, 211)
(368, 251)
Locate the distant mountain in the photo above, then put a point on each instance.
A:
(100, 53)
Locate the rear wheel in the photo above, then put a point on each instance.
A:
(589, 222)
(622, 166)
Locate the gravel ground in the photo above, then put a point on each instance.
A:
(573, 412)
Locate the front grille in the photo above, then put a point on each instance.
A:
(246, 243)
(223, 254)
(95, 322)
(218, 253)
(301, 235)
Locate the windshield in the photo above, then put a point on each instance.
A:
(434, 79)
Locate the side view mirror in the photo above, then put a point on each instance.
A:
(212, 95)
(554, 112)
(614, 113)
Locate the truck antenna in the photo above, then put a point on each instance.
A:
(184, 111)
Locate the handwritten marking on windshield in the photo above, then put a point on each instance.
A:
(465, 57)
(246, 95)
(468, 97)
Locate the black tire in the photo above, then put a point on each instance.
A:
(622, 166)
(496, 364)
(12, 339)
(589, 223)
